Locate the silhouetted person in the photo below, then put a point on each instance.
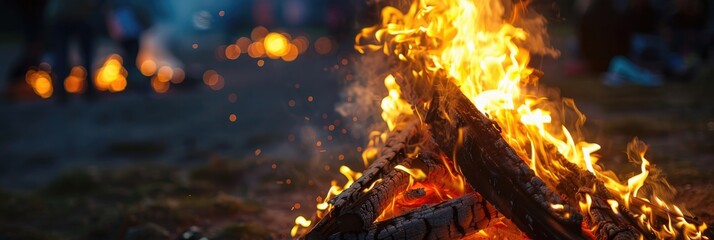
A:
(603, 34)
(688, 26)
(31, 19)
(126, 22)
(72, 19)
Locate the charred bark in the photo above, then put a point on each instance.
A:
(494, 169)
(601, 218)
(357, 206)
(574, 183)
(452, 219)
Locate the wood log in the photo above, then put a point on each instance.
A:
(602, 220)
(573, 179)
(574, 182)
(494, 169)
(355, 208)
(365, 209)
(453, 219)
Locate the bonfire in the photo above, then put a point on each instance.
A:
(476, 148)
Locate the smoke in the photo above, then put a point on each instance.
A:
(362, 98)
(530, 17)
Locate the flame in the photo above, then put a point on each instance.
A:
(414, 173)
(300, 221)
(393, 106)
(336, 189)
(613, 205)
(323, 204)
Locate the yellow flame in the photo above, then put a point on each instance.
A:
(614, 204)
(393, 106)
(415, 173)
(585, 206)
(371, 186)
(300, 221)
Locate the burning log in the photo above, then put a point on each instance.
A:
(452, 219)
(493, 169)
(575, 183)
(361, 203)
(610, 222)
(600, 216)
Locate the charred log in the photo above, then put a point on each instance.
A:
(601, 218)
(357, 206)
(574, 182)
(452, 219)
(494, 169)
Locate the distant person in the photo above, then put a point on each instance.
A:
(654, 55)
(688, 27)
(647, 56)
(602, 34)
(31, 15)
(126, 22)
(72, 19)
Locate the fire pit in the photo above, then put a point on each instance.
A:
(476, 148)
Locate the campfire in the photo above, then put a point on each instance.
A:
(476, 148)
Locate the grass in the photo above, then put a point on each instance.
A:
(141, 202)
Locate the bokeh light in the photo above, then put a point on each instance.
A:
(258, 33)
(40, 81)
(302, 43)
(323, 45)
(148, 67)
(158, 85)
(213, 80)
(111, 75)
(276, 45)
(232, 52)
(243, 44)
(179, 76)
(74, 83)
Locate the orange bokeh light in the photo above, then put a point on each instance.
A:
(74, 83)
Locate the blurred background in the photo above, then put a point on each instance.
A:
(191, 119)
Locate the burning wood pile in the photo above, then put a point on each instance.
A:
(476, 148)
